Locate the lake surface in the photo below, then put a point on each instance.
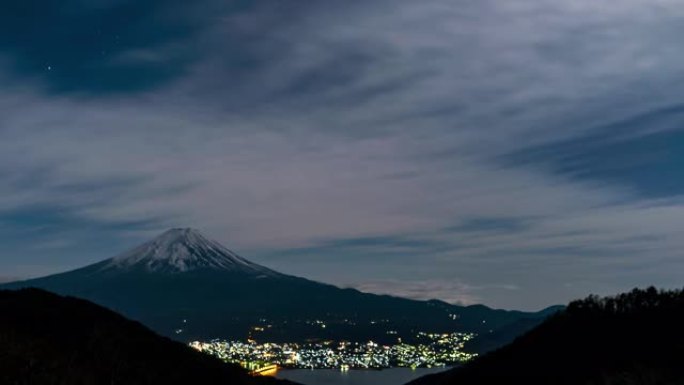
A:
(398, 376)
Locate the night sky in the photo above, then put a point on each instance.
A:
(513, 153)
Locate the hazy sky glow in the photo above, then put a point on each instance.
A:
(515, 153)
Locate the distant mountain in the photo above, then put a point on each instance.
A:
(487, 342)
(634, 338)
(184, 285)
(46, 339)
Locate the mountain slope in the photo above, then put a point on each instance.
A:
(48, 339)
(186, 286)
(634, 338)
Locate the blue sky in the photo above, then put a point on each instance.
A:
(518, 154)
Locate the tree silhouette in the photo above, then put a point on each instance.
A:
(631, 338)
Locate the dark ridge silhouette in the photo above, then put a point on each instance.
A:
(632, 338)
(49, 339)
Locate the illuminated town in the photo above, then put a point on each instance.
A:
(430, 350)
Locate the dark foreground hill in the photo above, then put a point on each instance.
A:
(48, 339)
(188, 287)
(633, 338)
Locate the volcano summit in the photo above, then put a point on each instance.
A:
(184, 250)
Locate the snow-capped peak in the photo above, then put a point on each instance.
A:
(183, 250)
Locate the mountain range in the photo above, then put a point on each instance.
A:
(186, 286)
(632, 338)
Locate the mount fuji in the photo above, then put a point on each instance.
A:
(188, 287)
(184, 250)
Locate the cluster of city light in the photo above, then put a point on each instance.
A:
(432, 350)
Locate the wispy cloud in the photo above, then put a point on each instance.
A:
(360, 132)
(452, 291)
(7, 279)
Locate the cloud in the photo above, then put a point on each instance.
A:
(387, 133)
(620, 154)
(452, 292)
